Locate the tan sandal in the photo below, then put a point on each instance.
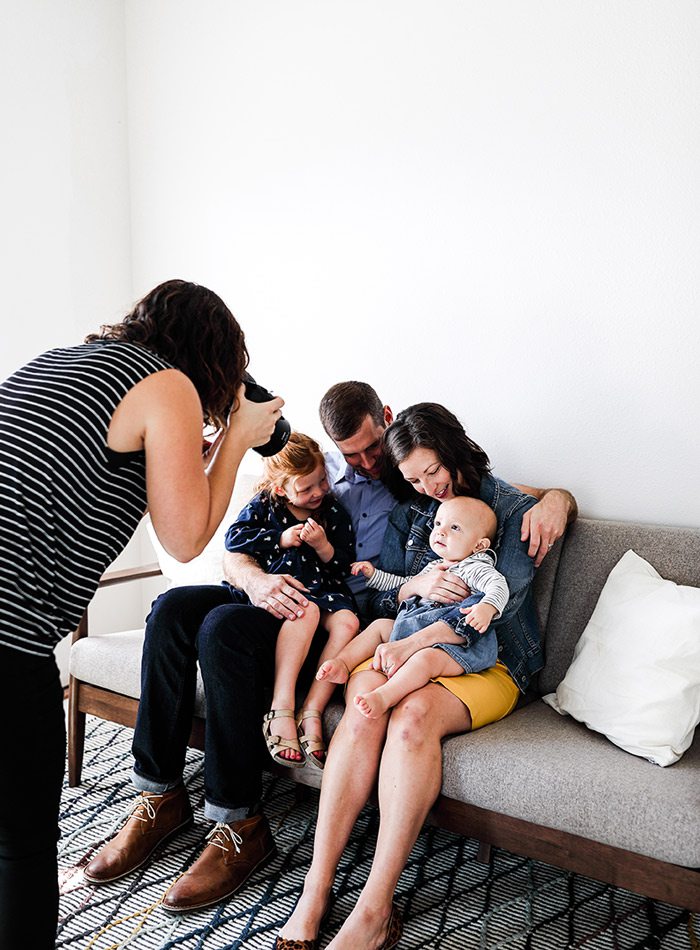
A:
(311, 744)
(276, 744)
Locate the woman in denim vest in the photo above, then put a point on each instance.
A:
(427, 448)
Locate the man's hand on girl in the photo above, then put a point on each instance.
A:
(279, 594)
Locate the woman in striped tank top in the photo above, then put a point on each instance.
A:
(90, 436)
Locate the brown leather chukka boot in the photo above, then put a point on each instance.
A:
(154, 819)
(233, 852)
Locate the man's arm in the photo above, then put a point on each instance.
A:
(546, 521)
(280, 594)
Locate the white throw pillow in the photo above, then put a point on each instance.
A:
(635, 675)
(207, 567)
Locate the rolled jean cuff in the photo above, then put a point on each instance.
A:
(226, 815)
(144, 784)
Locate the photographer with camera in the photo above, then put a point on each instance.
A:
(186, 626)
(89, 436)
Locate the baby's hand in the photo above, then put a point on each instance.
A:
(479, 616)
(362, 567)
(312, 533)
(291, 538)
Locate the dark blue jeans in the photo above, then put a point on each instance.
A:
(34, 749)
(235, 645)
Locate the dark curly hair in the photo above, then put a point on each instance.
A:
(429, 425)
(192, 328)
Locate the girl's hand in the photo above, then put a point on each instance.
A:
(291, 538)
(313, 534)
(389, 657)
(254, 422)
(362, 567)
(479, 616)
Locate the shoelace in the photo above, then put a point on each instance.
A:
(219, 835)
(144, 802)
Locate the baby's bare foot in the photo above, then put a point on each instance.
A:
(372, 704)
(335, 671)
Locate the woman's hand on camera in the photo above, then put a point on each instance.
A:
(254, 422)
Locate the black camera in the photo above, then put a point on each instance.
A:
(257, 393)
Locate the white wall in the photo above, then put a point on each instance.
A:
(66, 254)
(493, 205)
(65, 257)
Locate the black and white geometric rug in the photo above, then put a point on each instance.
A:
(449, 900)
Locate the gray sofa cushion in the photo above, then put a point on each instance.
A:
(113, 661)
(591, 550)
(555, 772)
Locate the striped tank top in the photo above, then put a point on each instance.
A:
(68, 504)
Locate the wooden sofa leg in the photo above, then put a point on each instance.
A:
(76, 733)
(483, 855)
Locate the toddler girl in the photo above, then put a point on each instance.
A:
(464, 529)
(293, 526)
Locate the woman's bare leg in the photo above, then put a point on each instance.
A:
(348, 778)
(409, 782)
(293, 642)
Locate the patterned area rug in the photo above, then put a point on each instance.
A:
(450, 901)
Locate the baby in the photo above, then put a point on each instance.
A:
(464, 529)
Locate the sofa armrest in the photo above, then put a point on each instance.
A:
(109, 579)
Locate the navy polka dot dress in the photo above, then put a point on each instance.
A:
(257, 532)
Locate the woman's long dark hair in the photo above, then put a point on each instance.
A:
(192, 328)
(429, 425)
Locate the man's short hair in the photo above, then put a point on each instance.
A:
(345, 407)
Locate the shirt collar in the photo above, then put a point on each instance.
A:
(346, 473)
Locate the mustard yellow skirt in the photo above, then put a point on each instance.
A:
(489, 695)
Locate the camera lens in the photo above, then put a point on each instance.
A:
(257, 393)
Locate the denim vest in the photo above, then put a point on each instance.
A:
(406, 551)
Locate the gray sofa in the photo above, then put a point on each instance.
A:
(536, 783)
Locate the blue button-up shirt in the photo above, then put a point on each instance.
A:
(368, 502)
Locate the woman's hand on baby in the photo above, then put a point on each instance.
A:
(362, 567)
(479, 616)
(437, 585)
(254, 422)
(291, 538)
(389, 657)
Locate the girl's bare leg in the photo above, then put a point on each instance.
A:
(409, 782)
(337, 666)
(342, 626)
(293, 642)
(348, 778)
